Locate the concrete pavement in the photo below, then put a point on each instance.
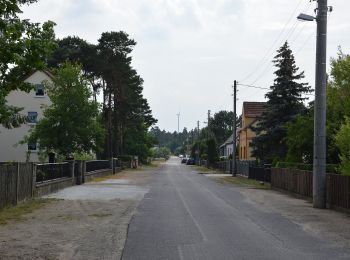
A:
(189, 216)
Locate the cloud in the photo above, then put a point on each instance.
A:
(190, 51)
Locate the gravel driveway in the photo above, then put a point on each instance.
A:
(86, 222)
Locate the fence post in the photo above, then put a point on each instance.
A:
(17, 183)
(112, 165)
(71, 170)
(83, 171)
(34, 179)
(80, 173)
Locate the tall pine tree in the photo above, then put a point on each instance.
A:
(285, 101)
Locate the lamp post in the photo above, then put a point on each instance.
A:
(319, 162)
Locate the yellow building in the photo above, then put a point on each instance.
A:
(251, 113)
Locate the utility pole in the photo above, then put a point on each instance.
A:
(319, 166)
(178, 122)
(198, 145)
(234, 137)
(208, 124)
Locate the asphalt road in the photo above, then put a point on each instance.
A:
(188, 216)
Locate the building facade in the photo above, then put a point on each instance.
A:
(32, 104)
(251, 114)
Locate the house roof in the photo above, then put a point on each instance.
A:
(229, 140)
(253, 109)
(47, 72)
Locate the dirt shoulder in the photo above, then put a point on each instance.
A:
(81, 222)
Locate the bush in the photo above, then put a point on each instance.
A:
(342, 140)
(125, 158)
(330, 168)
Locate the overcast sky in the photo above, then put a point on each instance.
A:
(189, 52)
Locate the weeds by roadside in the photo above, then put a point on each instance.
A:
(239, 181)
(204, 170)
(18, 212)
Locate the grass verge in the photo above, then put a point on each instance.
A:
(239, 181)
(203, 170)
(18, 212)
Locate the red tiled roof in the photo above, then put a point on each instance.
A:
(253, 109)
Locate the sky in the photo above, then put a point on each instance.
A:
(189, 52)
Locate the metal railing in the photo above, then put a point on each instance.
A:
(51, 171)
(97, 165)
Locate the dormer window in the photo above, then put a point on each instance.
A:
(32, 117)
(39, 90)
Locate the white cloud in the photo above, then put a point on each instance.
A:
(190, 51)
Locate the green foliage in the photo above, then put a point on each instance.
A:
(299, 138)
(285, 101)
(24, 47)
(221, 125)
(330, 168)
(162, 152)
(69, 124)
(125, 158)
(343, 142)
(212, 151)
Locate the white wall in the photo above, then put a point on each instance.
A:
(10, 150)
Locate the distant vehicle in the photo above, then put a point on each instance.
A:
(181, 156)
(184, 160)
(190, 161)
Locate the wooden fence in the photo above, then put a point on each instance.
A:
(293, 180)
(260, 174)
(16, 183)
(338, 191)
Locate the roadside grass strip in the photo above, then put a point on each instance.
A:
(204, 170)
(244, 182)
(19, 212)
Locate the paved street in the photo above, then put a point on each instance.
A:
(186, 215)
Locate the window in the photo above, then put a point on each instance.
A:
(32, 117)
(31, 147)
(39, 90)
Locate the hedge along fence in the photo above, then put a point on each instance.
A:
(292, 180)
(16, 183)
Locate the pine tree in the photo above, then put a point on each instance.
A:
(285, 101)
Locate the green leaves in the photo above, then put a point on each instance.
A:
(70, 124)
(24, 47)
(285, 101)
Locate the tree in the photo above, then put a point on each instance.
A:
(70, 124)
(299, 140)
(221, 125)
(285, 101)
(24, 47)
(342, 140)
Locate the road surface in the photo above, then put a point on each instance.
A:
(186, 215)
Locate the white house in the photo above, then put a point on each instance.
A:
(32, 103)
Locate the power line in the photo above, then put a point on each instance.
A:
(273, 44)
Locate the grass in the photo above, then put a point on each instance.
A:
(204, 170)
(240, 181)
(101, 215)
(18, 212)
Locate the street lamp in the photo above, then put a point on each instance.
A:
(319, 162)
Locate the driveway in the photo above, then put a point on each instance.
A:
(85, 222)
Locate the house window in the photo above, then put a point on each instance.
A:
(31, 147)
(32, 117)
(39, 90)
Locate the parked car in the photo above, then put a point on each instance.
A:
(190, 161)
(184, 160)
